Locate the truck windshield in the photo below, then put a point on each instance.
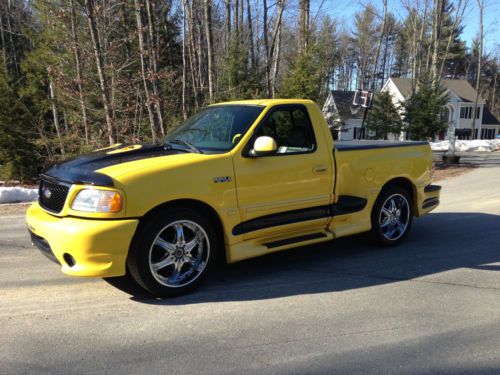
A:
(215, 129)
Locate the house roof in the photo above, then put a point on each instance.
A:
(403, 85)
(342, 97)
(343, 102)
(488, 117)
(460, 87)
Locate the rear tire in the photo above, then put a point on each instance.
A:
(173, 252)
(392, 216)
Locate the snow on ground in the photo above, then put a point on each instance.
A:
(476, 145)
(17, 194)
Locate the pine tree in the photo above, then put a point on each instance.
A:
(422, 112)
(384, 118)
(303, 80)
(19, 158)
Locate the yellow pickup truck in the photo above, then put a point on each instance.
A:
(236, 180)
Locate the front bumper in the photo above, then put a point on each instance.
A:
(98, 247)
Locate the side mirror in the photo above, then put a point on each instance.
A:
(264, 146)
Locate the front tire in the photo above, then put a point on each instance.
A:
(392, 216)
(173, 252)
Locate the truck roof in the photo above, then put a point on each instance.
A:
(266, 102)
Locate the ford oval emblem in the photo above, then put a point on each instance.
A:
(47, 193)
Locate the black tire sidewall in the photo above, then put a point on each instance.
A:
(376, 230)
(138, 259)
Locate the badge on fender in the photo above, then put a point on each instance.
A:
(218, 180)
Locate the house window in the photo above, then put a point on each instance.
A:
(466, 112)
(487, 133)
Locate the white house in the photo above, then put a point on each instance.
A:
(343, 118)
(459, 107)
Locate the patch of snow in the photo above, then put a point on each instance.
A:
(485, 145)
(17, 194)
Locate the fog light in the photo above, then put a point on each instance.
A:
(70, 261)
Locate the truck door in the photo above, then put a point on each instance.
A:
(290, 189)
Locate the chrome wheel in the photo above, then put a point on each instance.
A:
(394, 217)
(179, 254)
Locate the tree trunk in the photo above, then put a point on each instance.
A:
(250, 36)
(271, 48)
(99, 56)
(76, 48)
(184, 67)
(421, 42)
(193, 63)
(480, 4)
(208, 36)
(153, 50)
(146, 71)
(55, 115)
(436, 33)
(4, 48)
(11, 39)
(304, 9)
(228, 24)
(379, 46)
(276, 59)
(266, 48)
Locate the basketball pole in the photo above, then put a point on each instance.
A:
(362, 135)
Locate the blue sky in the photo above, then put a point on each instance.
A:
(345, 9)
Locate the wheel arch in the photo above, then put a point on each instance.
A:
(407, 185)
(196, 205)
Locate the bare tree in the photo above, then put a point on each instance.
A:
(153, 53)
(480, 4)
(437, 24)
(79, 79)
(304, 14)
(146, 71)
(379, 45)
(210, 53)
(99, 57)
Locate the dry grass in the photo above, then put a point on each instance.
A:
(13, 209)
(443, 171)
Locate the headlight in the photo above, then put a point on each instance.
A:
(94, 200)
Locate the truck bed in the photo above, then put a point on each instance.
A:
(367, 145)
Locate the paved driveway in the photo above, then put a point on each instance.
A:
(429, 306)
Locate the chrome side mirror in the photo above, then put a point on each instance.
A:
(264, 146)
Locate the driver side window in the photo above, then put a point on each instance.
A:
(291, 129)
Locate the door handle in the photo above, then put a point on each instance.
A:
(320, 169)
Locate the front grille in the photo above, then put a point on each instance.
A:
(52, 196)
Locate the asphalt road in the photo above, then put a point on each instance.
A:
(429, 306)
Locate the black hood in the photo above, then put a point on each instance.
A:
(82, 170)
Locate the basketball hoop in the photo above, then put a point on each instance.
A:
(363, 98)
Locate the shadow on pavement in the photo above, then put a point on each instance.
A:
(438, 242)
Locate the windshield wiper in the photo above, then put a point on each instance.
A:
(187, 144)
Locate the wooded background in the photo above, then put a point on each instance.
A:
(82, 74)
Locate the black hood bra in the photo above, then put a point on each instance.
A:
(82, 169)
